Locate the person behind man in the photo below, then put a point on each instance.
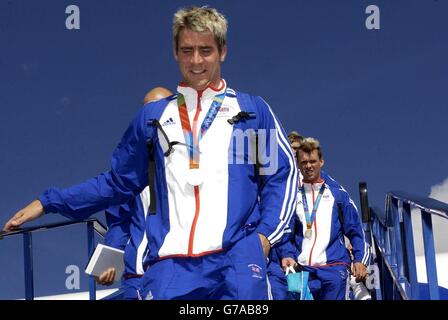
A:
(278, 286)
(295, 140)
(197, 246)
(325, 213)
(126, 231)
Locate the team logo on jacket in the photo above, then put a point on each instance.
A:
(168, 122)
(223, 111)
(256, 270)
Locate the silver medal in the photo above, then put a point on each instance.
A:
(195, 177)
(308, 233)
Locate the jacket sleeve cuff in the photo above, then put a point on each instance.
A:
(46, 202)
(286, 250)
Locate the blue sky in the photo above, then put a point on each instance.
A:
(376, 99)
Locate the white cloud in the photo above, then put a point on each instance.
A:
(440, 191)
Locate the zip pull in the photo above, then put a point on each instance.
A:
(242, 115)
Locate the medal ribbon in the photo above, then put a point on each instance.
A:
(190, 137)
(310, 220)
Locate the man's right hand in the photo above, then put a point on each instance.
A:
(288, 262)
(32, 211)
(107, 277)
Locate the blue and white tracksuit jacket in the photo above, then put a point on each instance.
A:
(127, 231)
(189, 223)
(326, 246)
(325, 255)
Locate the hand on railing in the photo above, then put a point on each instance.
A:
(31, 212)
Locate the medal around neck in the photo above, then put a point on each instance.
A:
(308, 233)
(195, 177)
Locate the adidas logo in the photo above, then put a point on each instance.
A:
(168, 122)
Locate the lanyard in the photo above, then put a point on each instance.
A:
(310, 220)
(190, 137)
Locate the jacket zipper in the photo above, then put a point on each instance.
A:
(196, 188)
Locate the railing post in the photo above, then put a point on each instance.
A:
(397, 257)
(398, 244)
(430, 256)
(90, 248)
(28, 265)
(364, 200)
(410, 251)
(387, 233)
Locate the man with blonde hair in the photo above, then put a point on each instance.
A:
(324, 214)
(199, 247)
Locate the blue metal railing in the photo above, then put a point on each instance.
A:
(93, 225)
(393, 238)
(389, 233)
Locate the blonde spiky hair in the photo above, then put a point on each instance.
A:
(200, 19)
(309, 145)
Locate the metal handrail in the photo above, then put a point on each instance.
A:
(403, 202)
(393, 235)
(93, 225)
(97, 225)
(429, 205)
